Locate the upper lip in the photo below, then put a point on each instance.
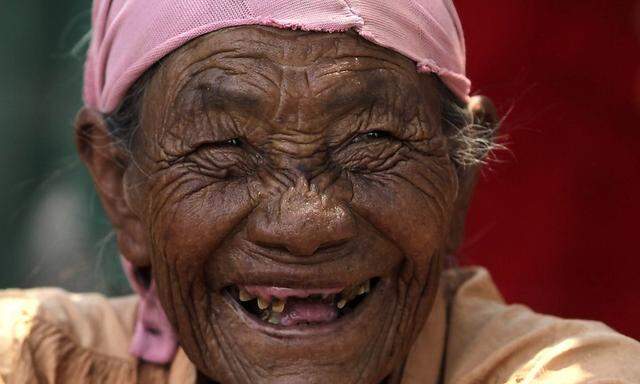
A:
(333, 275)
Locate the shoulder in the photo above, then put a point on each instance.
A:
(40, 329)
(492, 342)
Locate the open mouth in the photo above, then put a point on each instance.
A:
(299, 307)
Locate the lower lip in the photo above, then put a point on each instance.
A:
(299, 331)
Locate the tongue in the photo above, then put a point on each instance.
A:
(305, 311)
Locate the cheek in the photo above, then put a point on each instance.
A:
(410, 205)
(189, 218)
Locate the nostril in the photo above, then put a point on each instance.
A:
(299, 245)
(331, 246)
(303, 238)
(273, 246)
(314, 242)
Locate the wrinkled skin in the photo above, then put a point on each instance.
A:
(292, 159)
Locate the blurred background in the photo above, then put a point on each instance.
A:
(52, 229)
(555, 219)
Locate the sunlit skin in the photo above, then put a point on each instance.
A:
(290, 159)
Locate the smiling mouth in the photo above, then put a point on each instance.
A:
(289, 307)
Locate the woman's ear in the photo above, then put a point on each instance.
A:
(483, 111)
(485, 117)
(107, 163)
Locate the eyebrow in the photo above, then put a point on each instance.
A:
(224, 96)
(347, 98)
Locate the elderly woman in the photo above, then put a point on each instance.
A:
(286, 180)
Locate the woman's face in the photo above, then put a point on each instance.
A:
(309, 170)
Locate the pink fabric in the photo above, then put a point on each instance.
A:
(153, 337)
(129, 36)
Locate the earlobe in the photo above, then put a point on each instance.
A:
(107, 164)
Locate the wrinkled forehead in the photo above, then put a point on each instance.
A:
(284, 47)
(255, 66)
(304, 62)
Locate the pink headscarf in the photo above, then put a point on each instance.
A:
(129, 36)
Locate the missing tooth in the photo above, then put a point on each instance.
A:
(301, 307)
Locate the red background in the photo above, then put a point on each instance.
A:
(556, 220)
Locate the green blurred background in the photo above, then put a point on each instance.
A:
(52, 229)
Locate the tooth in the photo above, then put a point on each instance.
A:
(342, 303)
(274, 318)
(353, 293)
(278, 305)
(262, 303)
(349, 293)
(328, 298)
(265, 315)
(245, 296)
(364, 288)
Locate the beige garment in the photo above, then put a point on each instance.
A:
(51, 336)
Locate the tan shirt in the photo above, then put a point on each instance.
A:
(51, 336)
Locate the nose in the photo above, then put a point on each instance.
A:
(301, 220)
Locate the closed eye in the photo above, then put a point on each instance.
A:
(372, 136)
(235, 142)
(220, 144)
(208, 145)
